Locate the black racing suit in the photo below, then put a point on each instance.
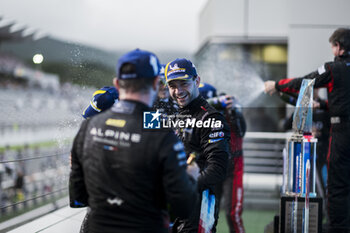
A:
(335, 76)
(212, 149)
(126, 174)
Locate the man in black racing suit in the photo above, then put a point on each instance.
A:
(208, 141)
(335, 76)
(126, 174)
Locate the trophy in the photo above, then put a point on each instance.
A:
(299, 168)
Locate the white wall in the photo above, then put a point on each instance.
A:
(243, 19)
(318, 12)
(221, 18)
(310, 24)
(306, 24)
(308, 49)
(267, 18)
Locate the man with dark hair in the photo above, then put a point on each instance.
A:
(208, 144)
(127, 175)
(335, 76)
(340, 36)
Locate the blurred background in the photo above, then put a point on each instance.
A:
(54, 54)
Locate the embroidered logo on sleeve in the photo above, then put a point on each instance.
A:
(321, 70)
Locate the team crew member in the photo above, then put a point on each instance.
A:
(124, 173)
(209, 144)
(164, 104)
(233, 184)
(336, 77)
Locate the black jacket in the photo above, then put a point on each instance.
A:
(127, 174)
(335, 76)
(210, 144)
(165, 106)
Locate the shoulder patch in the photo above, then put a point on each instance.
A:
(178, 146)
(321, 69)
(215, 140)
(115, 122)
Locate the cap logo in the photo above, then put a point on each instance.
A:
(162, 70)
(153, 62)
(174, 67)
(128, 76)
(93, 104)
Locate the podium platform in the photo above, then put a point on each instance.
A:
(315, 214)
(66, 220)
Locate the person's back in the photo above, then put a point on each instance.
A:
(124, 168)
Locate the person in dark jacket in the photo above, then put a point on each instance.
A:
(205, 135)
(335, 76)
(125, 174)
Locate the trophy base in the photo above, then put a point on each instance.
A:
(286, 214)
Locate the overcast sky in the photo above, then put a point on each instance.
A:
(111, 24)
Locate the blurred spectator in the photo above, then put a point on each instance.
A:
(5, 169)
(19, 187)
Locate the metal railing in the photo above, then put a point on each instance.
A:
(263, 169)
(31, 178)
(263, 152)
(45, 173)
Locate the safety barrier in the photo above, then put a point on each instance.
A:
(30, 178)
(263, 169)
(46, 175)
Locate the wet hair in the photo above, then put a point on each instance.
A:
(341, 36)
(136, 84)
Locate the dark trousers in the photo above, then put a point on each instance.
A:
(339, 178)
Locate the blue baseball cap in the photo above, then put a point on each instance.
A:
(146, 65)
(180, 69)
(207, 90)
(102, 99)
